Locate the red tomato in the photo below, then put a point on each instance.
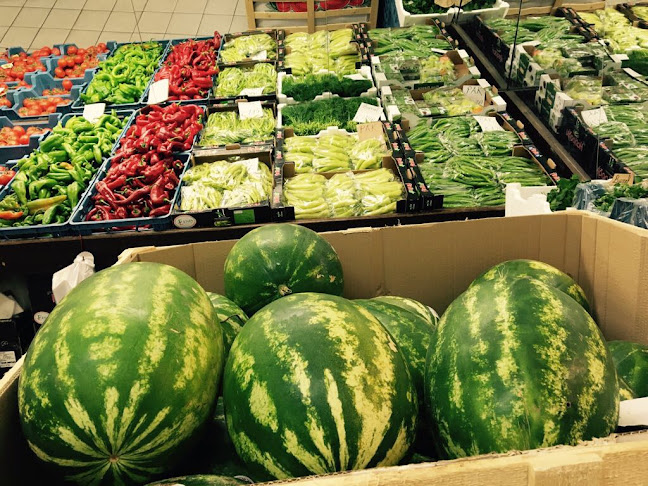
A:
(18, 130)
(59, 73)
(33, 112)
(81, 52)
(23, 111)
(70, 61)
(67, 84)
(78, 59)
(72, 50)
(102, 47)
(50, 109)
(29, 102)
(61, 62)
(56, 51)
(23, 140)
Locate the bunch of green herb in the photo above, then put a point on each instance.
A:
(605, 202)
(561, 198)
(306, 88)
(314, 116)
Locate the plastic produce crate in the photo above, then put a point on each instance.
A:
(43, 80)
(21, 95)
(18, 151)
(78, 224)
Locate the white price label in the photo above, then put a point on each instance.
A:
(40, 317)
(595, 117)
(475, 93)
(260, 56)
(7, 65)
(158, 92)
(184, 221)
(355, 77)
(252, 92)
(633, 412)
(489, 124)
(3, 89)
(250, 109)
(7, 359)
(368, 113)
(94, 111)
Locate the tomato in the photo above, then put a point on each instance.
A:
(102, 47)
(6, 176)
(70, 62)
(29, 102)
(23, 140)
(72, 50)
(67, 84)
(59, 73)
(46, 50)
(78, 59)
(50, 109)
(18, 130)
(23, 111)
(56, 51)
(33, 112)
(61, 62)
(5, 102)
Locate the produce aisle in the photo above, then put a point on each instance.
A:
(180, 298)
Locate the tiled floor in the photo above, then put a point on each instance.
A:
(35, 23)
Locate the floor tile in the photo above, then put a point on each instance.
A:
(220, 7)
(139, 5)
(12, 3)
(70, 4)
(3, 31)
(154, 21)
(123, 6)
(161, 5)
(40, 3)
(196, 6)
(82, 38)
(100, 5)
(239, 23)
(210, 23)
(106, 36)
(49, 37)
(184, 23)
(240, 8)
(61, 19)
(8, 15)
(19, 36)
(31, 17)
(121, 22)
(91, 20)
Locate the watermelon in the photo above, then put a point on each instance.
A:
(411, 305)
(200, 480)
(631, 361)
(230, 316)
(625, 392)
(277, 260)
(121, 379)
(314, 384)
(540, 271)
(516, 364)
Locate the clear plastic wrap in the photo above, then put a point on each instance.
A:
(622, 209)
(640, 214)
(587, 193)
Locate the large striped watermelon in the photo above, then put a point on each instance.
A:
(277, 260)
(540, 271)
(314, 384)
(517, 364)
(631, 360)
(411, 305)
(122, 376)
(230, 316)
(200, 480)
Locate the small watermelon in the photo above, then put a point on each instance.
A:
(541, 271)
(231, 317)
(314, 384)
(123, 376)
(200, 480)
(276, 260)
(625, 392)
(516, 364)
(631, 361)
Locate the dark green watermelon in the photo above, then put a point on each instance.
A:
(516, 364)
(631, 360)
(231, 317)
(200, 480)
(276, 260)
(541, 271)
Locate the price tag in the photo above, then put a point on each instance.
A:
(475, 93)
(368, 113)
(370, 130)
(260, 56)
(355, 77)
(252, 92)
(7, 65)
(40, 317)
(595, 117)
(250, 109)
(633, 412)
(2, 90)
(622, 178)
(184, 221)
(158, 92)
(488, 124)
(94, 111)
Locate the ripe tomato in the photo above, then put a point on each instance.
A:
(67, 84)
(62, 62)
(81, 52)
(23, 111)
(33, 112)
(23, 140)
(18, 130)
(102, 47)
(29, 102)
(72, 50)
(78, 59)
(56, 51)
(70, 62)
(5, 102)
(59, 72)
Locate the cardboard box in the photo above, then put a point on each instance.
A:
(607, 258)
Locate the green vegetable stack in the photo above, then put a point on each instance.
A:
(231, 81)
(314, 116)
(306, 88)
(429, 6)
(470, 167)
(344, 195)
(410, 42)
(332, 51)
(334, 152)
(257, 47)
(123, 77)
(225, 127)
(224, 184)
(617, 31)
(51, 180)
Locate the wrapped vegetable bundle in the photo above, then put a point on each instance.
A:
(344, 195)
(334, 152)
(225, 127)
(224, 183)
(233, 80)
(257, 46)
(306, 88)
(453, 101)
(414, 41)
(333, 51)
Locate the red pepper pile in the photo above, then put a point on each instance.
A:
(144, 175)
(189, 67)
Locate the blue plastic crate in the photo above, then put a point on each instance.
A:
(128, 114)
(51, 62)
(78, 224)
(18, 151)
(42, 80)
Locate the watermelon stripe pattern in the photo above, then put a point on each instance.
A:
(518, 365)
(273, 261)
(230, 317)
(631, 361)
(122, 375)
(314, 385)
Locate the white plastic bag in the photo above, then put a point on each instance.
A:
(69, 277)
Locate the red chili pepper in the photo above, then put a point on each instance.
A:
(135, 195)
(118, 182)
(121, 213)
(11, 215)
(157, 192)
(160, 211)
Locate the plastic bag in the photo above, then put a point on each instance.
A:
(69, 277)
(640, 214)
(622, 209)
(586, 193)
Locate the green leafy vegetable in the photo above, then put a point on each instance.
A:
(306, 88)
(561, 198)
(314, 116)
